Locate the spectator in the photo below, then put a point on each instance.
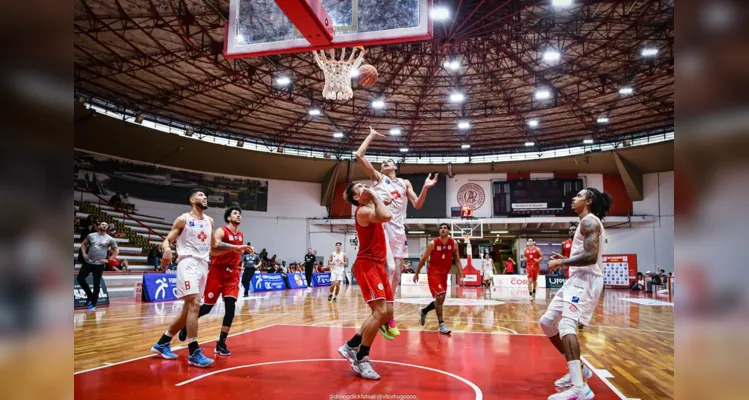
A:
(154, 256)
(116, 201)
(264, 255)
(95, 248)
(127, 205)
(639, 283)
(655, 279)
(115, 264)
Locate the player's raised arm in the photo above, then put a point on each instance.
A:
(418, 201)
(171, 237)
(371, 172)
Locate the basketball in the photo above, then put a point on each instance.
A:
(367, 75)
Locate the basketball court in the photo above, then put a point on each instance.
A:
(485, 93)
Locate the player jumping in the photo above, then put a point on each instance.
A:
(393, 191)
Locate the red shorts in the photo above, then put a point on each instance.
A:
(373, 280)
(437, 282)
(533, 272)
(222, 280)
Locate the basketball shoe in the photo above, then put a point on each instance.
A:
(197, 359)
(164, 350)
(392, 329)
(364, 368)
(566, 381)
(574, 393)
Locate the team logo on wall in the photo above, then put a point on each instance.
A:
(471, 194)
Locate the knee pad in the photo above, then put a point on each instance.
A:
(549, 324)
(229, 306)
(205, 309)
(567, 326)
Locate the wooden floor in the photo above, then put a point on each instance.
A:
(632, 344)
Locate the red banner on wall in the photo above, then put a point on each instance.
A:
(619, 270)
(472, 276)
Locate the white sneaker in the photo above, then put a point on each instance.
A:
(566, 381)
(364, 369)
(443, 329)
(347, 352)
(574, 393)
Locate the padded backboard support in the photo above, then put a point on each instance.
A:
(310, 18)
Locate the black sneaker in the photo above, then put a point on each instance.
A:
(221, 349)
(330, 297)
(182, 334)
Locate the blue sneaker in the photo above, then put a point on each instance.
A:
(163, 350)
(197, 359)
(91, 307)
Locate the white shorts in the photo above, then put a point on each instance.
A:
(191, 277)
(488, 275)
(397, 245)
(578, 297)
(336, 276)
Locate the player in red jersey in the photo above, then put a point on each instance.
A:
(441, 253)
(224, 275)
(369, 270)
(533, 256)
(567, 249)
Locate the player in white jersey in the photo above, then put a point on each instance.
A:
(193, 233)
(487, 269)
(337, 263)
(395, 193)
(576, 301)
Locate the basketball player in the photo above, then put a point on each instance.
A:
(395, 193)
(576, 301)
(223, 275)
(487, 267)
(566, 251)
(193, 233)
(369, 270)
(533, 256)
(441, 253)
(336, 263)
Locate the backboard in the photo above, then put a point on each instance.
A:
(261, 27)
(459, 228)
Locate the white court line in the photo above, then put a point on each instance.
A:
(106, 364)
(476, 389)
(412, 330)
(474, 323)
(603, 375)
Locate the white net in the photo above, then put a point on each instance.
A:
(337, 71)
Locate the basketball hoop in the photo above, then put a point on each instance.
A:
(467, 237)
(337, 72)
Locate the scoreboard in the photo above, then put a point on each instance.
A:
(535, 197)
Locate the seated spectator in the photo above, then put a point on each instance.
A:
(639, 283)
(655, 279)
(154, 256)
(116, 264)
(127, 205)
(116, 201)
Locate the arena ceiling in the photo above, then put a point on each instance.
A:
(163, 59)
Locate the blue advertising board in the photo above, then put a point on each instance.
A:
(266, 282)
(321, 279)
(159, 287)
(297, 280)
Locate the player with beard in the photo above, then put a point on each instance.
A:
(193, 234)
(223, 275)
(576, 301)
(395, 193)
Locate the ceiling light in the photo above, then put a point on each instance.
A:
(338, 135)
(314, 111)
(404, 149)
(139, 119)
(649, 52)
(465, 146)
(457, 97)
(395, 131)
(542, 94)
(240, 143)
(283, 80)
(378, 103)
(529, 144)
(354, 72)
(499, 232)
(588, 141)
(626, 91)
(189, 132)
(561, 3)
(533, 123)
(440, 13)
(551, 55)
(464, 125)
(416, 232)
(453, 65)
(603, 120)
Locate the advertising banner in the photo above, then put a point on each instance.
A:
(619, 270)
(321, 279)
(297, 280)
(266, 282)
(79, 296)
(554, 282)
(159, 287)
